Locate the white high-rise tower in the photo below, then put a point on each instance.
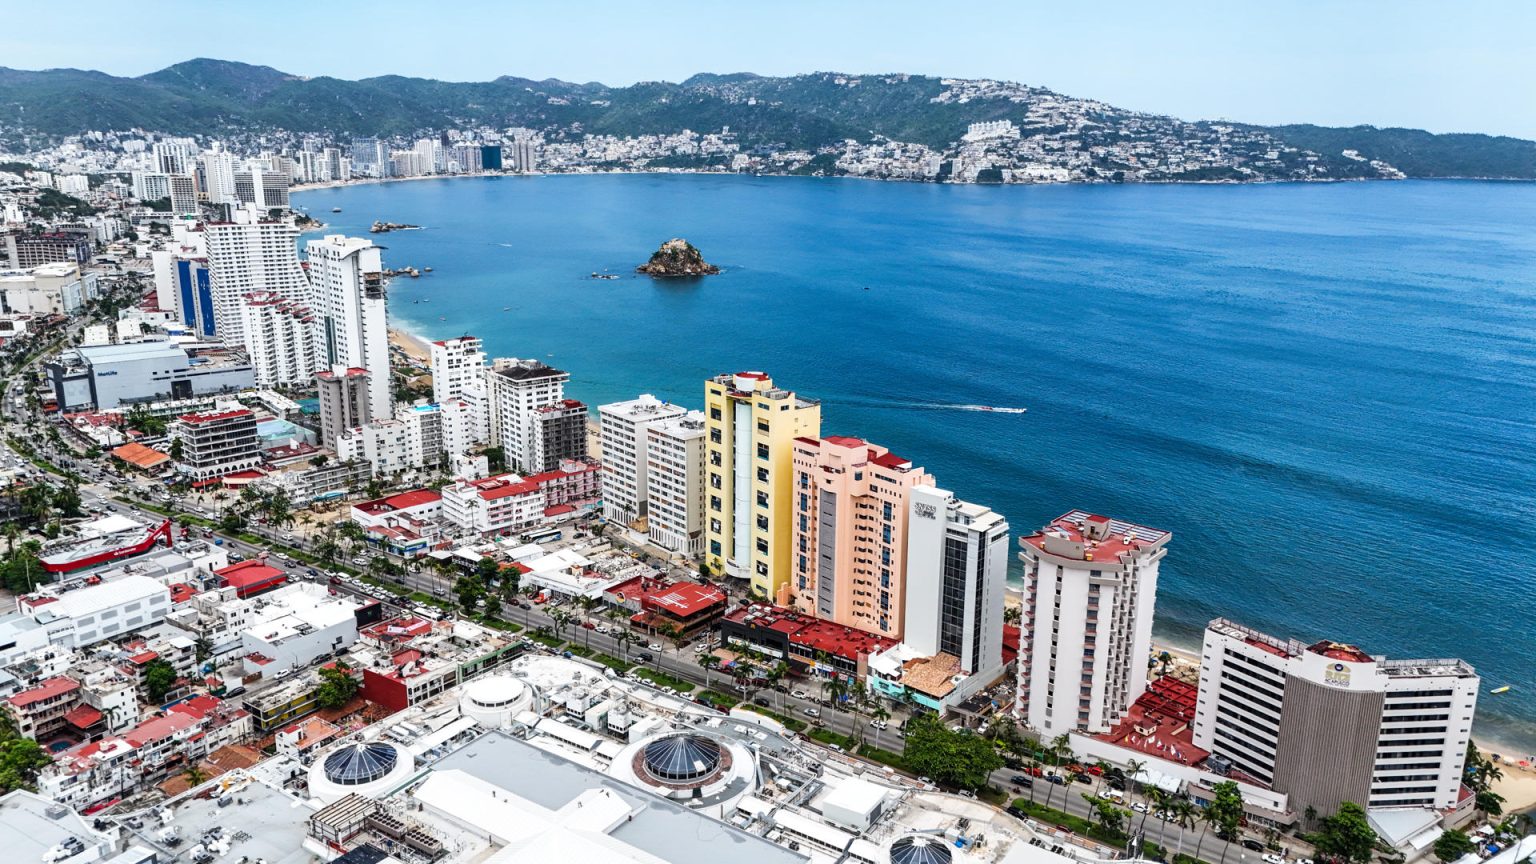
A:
(347, 294)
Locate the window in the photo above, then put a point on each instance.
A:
(762, 523)
(714, 503)
(714, 547)
(762, 451)
(762, 475)
(714, 414)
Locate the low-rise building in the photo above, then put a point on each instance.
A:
(809, 646)
(294, 626)
(107, 376)
(216, 443)
(407, 661)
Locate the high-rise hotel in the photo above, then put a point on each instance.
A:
(1090, 584)
(751, 427)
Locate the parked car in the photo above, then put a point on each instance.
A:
(799, 694)
(1250, 843)
(657, 647)
(1020, 780)
(645, 656)
(811, 712)
(1272, 858)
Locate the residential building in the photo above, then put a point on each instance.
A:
(518, 388)
(848, 523)
(302, 740)
(409, 660)
(26, 251)
(674, 482)
(171, 157)
(218, 173)
(38, 712)
(182, 190)
(406, 523)
(1328, 723)
(251, 253)
(280, 337)
(623, 436)
(348, 297)
(216, 443)
(499, 504)
(558, 432)
(344, 402)
(294, 626)
(458, 376)
(82, 616)
(190, 284)
(752, 425)
(1090, 584)
(810, 646)
(265, 189)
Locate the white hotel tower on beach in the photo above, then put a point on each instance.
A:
(1090, 584)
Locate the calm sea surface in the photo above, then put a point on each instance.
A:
(1326, 392)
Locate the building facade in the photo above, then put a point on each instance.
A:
(848, 532)
(280, 339)
(518, 388)
(956, 574)
(1090, 584)
(624, 441)
(751, 427)
(1328, 723)
(249, 254)
(348, 298)
(216, 443)
(674, 484)
(344, 402)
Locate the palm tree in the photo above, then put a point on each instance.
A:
(623, 638)
(775, 678)
(1183, 813)
(709, 663)
(1132, 768)
(194, 775)
(880, 716)
(560, 619)
(1059, 747)
(1207, 819)
(1157, 799)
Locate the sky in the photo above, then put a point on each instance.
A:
(1446, 66)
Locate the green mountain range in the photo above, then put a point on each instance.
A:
(221, 98)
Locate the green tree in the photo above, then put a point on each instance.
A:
(1347, 835)
(470, 590)
(957, 759)
(1452, 845)
(486, 568)
(203, 648)
(20, 760)
(1490, 802)
(1225, 812)
(496, 459)
(492, 606)
(194, 775)
(337, 686)
(159, 678)
(66, 499)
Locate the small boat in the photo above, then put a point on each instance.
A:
(506, 308)
(1498, 690)
(335, 209)
(426, 269)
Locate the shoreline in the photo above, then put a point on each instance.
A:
(413, 345)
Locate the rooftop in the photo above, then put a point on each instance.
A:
(811, 633)
(1158, 723)
(48, 689)
(1083, 536)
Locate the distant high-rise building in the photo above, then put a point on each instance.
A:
(192, 295)
(752, 426)
(171, 157)
(624, 445)
(848, 523)
(348, 295)
(1090, 585)
(219, 177)
(558, 434)
(251, 254)
(264, 188)
(151, 185)
(370, 157)
(525, 143)
(280, 337)
(182, 190)
(216, 443)
(344, 402)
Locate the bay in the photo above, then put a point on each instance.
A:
(1327, 392)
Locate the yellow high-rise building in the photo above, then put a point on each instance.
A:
(749, 455)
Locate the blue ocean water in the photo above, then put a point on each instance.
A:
(1327, 392)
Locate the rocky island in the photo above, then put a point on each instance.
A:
(677, 257)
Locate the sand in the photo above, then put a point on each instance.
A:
(414, 346)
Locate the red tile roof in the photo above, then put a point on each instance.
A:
(250, 576)
(82, 717)
(56, 686)
(212, 416)
(140, 456)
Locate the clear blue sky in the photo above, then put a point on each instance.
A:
(1449, 65)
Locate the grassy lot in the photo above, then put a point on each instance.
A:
(1075, 824)
(827, 736)
(662, 679)
(498, 624)
(545, 639)
(789, 723)
(721, 701)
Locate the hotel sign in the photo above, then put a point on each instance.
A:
(926, 511)
(1336, 675)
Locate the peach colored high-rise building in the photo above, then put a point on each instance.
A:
(849, 521)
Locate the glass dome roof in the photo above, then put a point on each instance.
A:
(360, 763)
(681, 758)
(920, 849)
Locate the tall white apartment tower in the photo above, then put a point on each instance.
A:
(250, 254)
(1090, 584)
(674, 482)
(458, 377)
(219, 177)
(280, 338)
(957, 571)
(347, 295)
(518, 389)
(457, 365)
(624, 453)
(1327, 723)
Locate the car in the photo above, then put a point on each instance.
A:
(656, 646)
(1057, 779)
(1082, 778)
(1139, 807)
(1272, 858)
(1252, 844)
(310, 571)
(967, 793)
(811, 712)
(1017, 812)
(835, 748)
(877, 723)
(1019, 780)
(799, 694)
(645, 656)
(588, 625)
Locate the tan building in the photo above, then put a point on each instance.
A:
(849, 532)
(752, 426)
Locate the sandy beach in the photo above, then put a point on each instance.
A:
(414, 346)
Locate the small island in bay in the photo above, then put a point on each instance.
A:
(386, 227)
(677, 257)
